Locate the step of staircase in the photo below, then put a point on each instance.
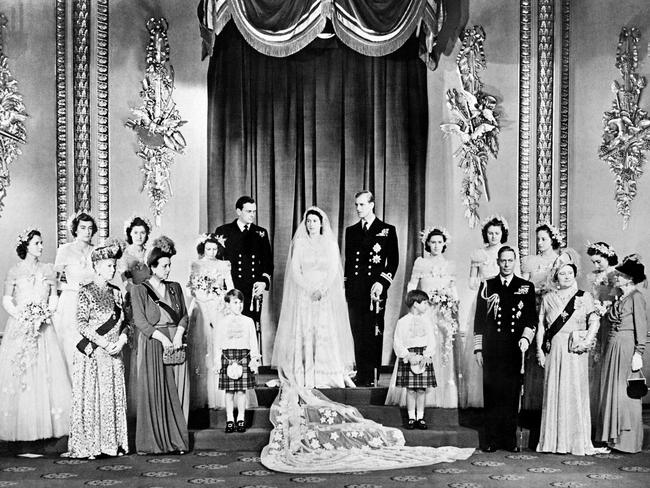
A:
(256, 438)
(386, 415)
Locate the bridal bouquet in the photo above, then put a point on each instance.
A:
(446, 306)
(207, 283)
(33, 315)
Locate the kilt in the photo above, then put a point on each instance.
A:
(247, 380)
(408, 379)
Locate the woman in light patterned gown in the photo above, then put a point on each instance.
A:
(34, 383)
(436, 275)
(74, 268)
(98, 419)
(483, 266)
(538, 268)
(566, 313)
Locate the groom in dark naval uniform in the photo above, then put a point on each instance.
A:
(371, 259)
(504, 326)
(248, 249)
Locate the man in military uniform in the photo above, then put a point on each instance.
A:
(504, 327)
(248, 249)
(371, 259)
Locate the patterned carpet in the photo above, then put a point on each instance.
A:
(243, 470)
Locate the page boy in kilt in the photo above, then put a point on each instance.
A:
(414, 345)
(236, 344)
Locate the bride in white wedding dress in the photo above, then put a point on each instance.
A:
(313, 345)
(314, 348)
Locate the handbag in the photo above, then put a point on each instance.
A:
(578, 342)
(173, 356)
(636, 387)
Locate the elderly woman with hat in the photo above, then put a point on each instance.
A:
(98, 418)
(160, 315)
(619, 417)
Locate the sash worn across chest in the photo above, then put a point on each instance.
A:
(172, 313)
(560, 321)
(86, 346)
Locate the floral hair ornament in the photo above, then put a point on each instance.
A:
(129, 222)
(202, 238)
(555, 232)
(601, 249)
(425, 233)
(24, 235)
(111, 249)
(499, 218)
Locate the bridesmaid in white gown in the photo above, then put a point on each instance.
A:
(210, 279)
(436, 275)
(537, 268)
(483, 266)
(74, 268)
(34, 385)
(313, 344)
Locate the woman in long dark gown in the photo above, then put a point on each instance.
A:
(160, 315)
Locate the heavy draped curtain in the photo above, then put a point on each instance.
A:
(313, 128)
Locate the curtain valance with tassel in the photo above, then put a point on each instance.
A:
(371, 27)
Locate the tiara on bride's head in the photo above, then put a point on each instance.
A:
(129, 222)
(425, 233)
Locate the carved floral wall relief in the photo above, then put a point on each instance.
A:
(12, 117)
(157, 121)
(476, 122)
(626, 128)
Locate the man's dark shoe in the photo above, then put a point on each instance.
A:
(514, 449)
(489, 449)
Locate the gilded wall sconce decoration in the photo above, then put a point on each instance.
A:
(12, 117)
(476, 124)
(626, 128)
(157, 121)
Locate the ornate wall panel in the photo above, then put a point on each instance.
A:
(523, 214)
(564, 120)
(81, 103)
(102, 119)
(61, 125)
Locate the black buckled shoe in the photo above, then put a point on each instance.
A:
(241, 426)
(410, 425)
(230, 427)
(421, 424)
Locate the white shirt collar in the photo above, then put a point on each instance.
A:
(506, 279)
(369, 220)
(241, 226)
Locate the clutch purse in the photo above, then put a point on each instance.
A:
(636, 387)
(173, 356)
(578, 342)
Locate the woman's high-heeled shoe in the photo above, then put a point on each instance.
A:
(230, 427)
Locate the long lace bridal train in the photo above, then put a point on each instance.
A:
(313, 434)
